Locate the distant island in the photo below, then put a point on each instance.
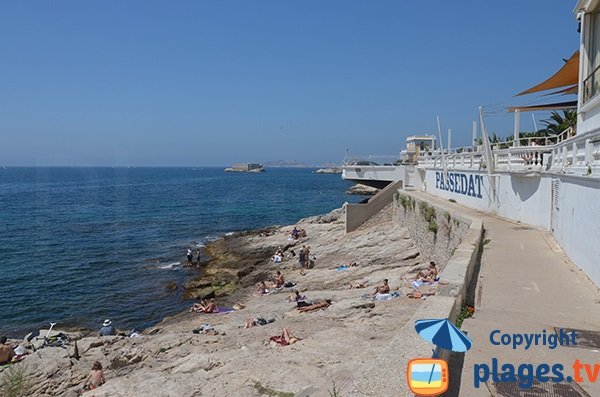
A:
(245, 167)
(286, 164)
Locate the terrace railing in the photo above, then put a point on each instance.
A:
(563, 153)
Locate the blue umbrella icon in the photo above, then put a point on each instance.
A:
(443, 334)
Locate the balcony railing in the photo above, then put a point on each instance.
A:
(591, 85)
(563, 153)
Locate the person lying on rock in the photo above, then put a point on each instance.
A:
(382, 289)
(359, 284)
(286, 337)
(95, 378)
(203, 307)
(320, 304)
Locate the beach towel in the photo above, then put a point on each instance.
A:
(383, 297)
(418, 283)
(342, 268)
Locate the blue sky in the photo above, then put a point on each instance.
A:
(197, 83)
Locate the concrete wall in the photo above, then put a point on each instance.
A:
(519, 197)
(574, 219)
(373, 172)
(576, 222)
(357, 214)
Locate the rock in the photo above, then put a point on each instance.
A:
(126, 356)
(74, 351)
(362, 190)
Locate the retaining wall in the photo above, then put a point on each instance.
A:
(357, 214)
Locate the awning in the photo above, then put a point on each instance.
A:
(567, 75)
(545, 107)
(565, 91)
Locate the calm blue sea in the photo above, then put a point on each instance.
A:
(78, 245)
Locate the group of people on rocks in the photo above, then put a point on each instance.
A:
(423, 277)
(190, 257)
(297, 233)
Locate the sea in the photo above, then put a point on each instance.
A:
(80, 245)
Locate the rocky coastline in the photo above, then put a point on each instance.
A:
(169, 359)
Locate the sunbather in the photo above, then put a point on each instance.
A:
(95, 377)
(382, 289)
(279, 280)
(286, 337)
(203, 307)
(429, 275)
(299, 299)
(359, 284)
(320, 304)
(261, 288)
(419, 294)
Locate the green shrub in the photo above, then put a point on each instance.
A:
(16, 381)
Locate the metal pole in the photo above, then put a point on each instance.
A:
(474, 143)
(449, 139)
(517, 127)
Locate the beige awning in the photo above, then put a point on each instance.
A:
(567, 75)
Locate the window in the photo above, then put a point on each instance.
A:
(591, 84)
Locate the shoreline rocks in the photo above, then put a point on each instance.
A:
(362, 190)
(170, 356)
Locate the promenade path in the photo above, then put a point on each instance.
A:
(527, 285)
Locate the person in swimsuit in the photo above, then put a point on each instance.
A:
(320, 304)
(202, 307)
(382, 289)
(95, 378)
(286, 337)
(6, 351)
(279, 280)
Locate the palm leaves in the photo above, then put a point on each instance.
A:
(557, 123)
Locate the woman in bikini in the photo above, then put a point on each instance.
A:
(286, 338)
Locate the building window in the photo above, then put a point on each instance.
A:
(591, 84)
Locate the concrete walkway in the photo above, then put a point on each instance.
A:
(526, 285)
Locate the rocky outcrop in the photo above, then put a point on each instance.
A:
(362, 190)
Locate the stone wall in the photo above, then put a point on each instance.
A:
(435, 231)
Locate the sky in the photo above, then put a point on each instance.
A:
(200, 83)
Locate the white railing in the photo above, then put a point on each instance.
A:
(563, 153)
(372, 160)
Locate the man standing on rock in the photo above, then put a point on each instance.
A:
(6, 352)
(302, 256)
